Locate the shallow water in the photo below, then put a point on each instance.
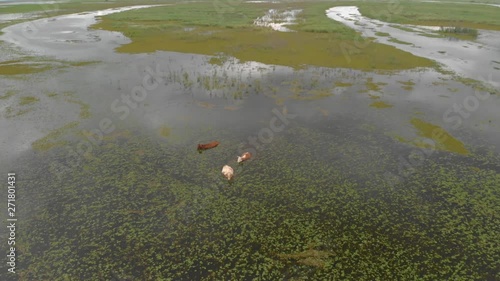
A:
(474, 60)
(68, 37)
(331, 179)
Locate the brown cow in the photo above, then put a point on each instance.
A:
(208, 145)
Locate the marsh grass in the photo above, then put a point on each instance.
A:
(434, 14)
(67, 7)
(476, 85)
(163, 28)
(459, 32)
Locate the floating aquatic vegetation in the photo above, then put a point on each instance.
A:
(342, 84)
(164, 131)
(84, 108)
(50, 140)
(380, 104)
(442, 139)
(399, 41)
(185, 222)
(8, 94)
(383, 34)
(52, 94)
(11, 113)
(372, 86)
(28, 100)
(408, 85)
(313, 95)
(17, 68)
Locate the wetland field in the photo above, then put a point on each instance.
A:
(374, 129)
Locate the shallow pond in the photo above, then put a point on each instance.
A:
(355, 175)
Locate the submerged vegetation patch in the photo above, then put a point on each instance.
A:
(380, 104)
(382, 34)
(401, 27)
(407, 85)
(372, 86)
(442, 139)
(8, 94)
(164, 131)
(313, 94)
(394, 40)
(30, 65)
(477, 85)
(279, 220)
(343, 84)
(10, 112)
(51, 139)
(84, 108)
(309, 257)
(17, 68)
(28, 100)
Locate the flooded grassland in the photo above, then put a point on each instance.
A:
(369, 161)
